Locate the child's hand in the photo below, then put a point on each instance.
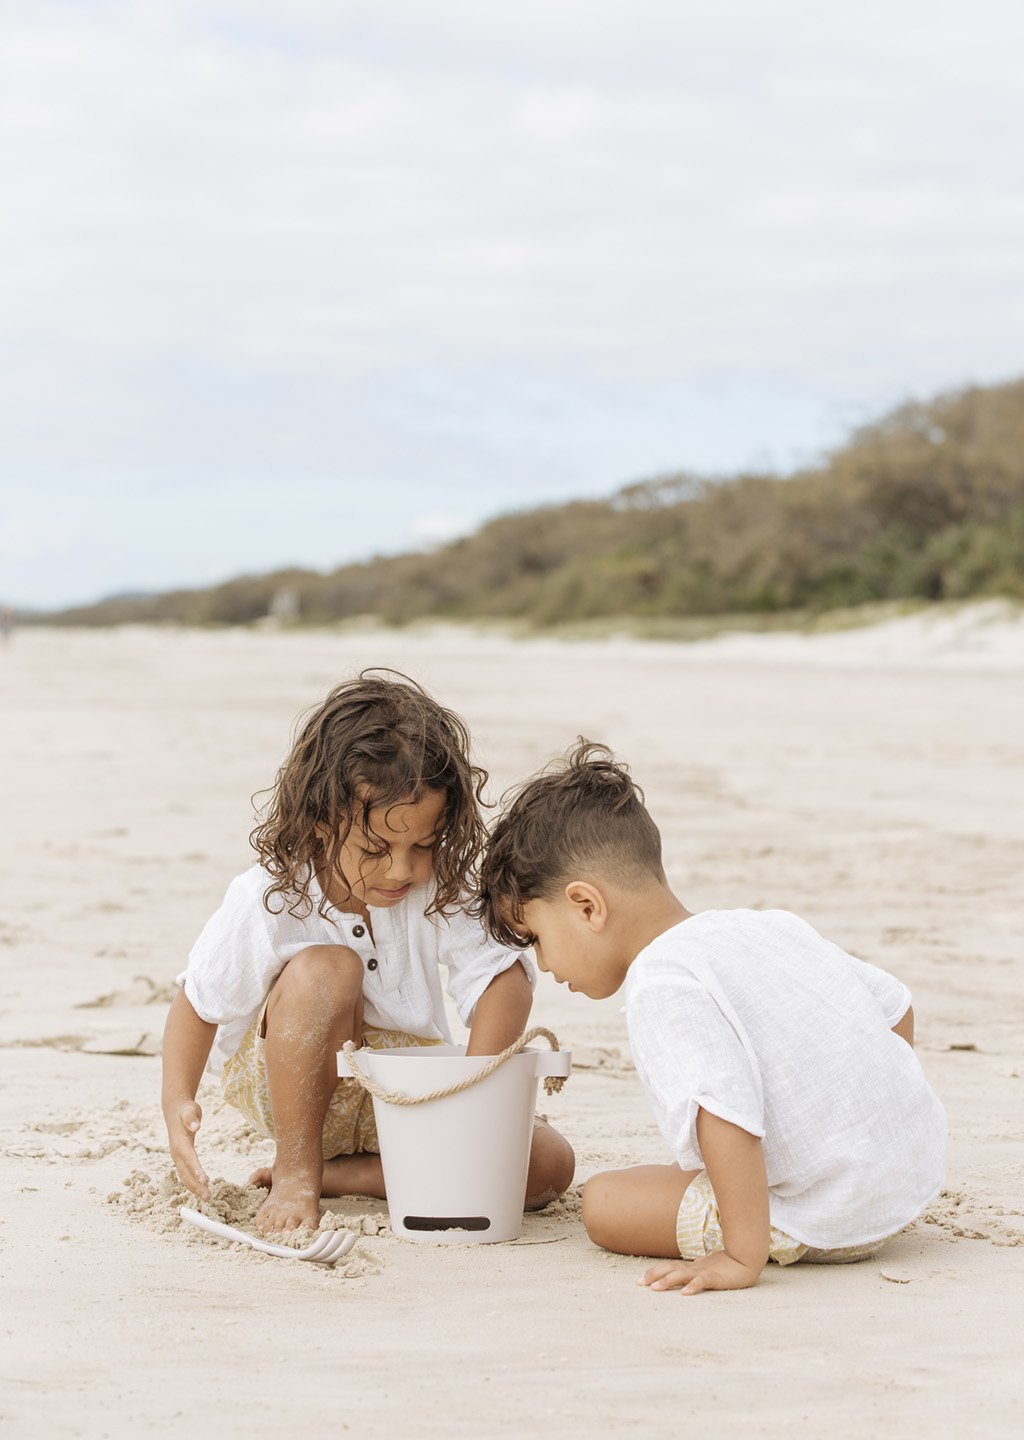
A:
(718, 1271)
(183, 1122)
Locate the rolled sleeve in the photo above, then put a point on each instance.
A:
(892, 995)
(690, 1058)
(473, 960)
(233, 964)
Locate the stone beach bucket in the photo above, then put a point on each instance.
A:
(455, 1134)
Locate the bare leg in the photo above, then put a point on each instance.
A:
(633, 1212)
(360, 1174)
(552, 1164)
(315, 1006)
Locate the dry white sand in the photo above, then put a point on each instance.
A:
(873, 782)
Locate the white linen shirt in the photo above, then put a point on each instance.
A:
(244, 947)
(754, 1017)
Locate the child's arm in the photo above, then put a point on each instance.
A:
(187, 1043)
(734, 1160)
(905, 1028)
(501, 1012)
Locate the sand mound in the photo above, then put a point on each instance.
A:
(156, 1201)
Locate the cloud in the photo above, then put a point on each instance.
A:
(24, 541)
(432, 530)
(497, 251)
(332, 186)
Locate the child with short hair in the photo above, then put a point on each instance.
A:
(781, 1069)
(367, 851)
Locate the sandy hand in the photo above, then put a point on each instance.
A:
(183, 1123)
(294, 1200)
(717, 1271)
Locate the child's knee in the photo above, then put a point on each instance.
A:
(552, 1166)
(323, 973)
(600, 1212)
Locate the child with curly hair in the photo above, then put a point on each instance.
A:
(367, 851)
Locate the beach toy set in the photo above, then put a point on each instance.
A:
(455, 1134)
(324, 1249)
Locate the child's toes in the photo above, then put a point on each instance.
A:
(283, 1211)
(263, 1178)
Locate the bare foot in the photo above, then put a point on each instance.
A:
(345, 1175)
(294, 1200)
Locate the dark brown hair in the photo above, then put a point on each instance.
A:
(584, 815)
(377, 740)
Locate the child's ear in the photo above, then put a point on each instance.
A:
(588, 904)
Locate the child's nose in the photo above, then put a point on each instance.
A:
(400, 868)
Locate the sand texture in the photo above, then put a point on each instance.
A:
(872, 781)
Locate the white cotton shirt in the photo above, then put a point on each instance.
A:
(754, 1017)
(243, 948)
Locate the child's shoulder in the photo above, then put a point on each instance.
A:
(715, 937)
(246, 901)
(712, 948)
(248, 888)
(702, 925)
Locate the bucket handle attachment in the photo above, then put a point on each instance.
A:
(554, 1068)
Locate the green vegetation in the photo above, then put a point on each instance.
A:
(926, 504)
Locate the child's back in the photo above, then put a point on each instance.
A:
(755, 1017)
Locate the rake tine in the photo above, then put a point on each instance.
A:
(325, 1248)
(336, 1243)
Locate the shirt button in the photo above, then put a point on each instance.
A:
(358, 931)
(371, 964)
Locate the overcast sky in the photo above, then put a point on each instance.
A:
(297, 281)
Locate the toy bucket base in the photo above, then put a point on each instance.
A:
(455, 1169)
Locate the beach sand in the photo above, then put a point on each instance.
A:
(872, 781)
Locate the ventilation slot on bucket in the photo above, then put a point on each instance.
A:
(446, 1222)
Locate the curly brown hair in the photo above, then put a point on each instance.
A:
(583, 815)
(377, 740)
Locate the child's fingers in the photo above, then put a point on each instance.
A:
(674, 1275)
(657, 1271)
(192, 1174)
(194, 1178)
(696, 1285)
(675, 1279)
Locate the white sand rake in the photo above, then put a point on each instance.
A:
(326, 1248)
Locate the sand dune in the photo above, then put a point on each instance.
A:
(871, 780)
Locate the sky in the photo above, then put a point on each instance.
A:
(304, 281)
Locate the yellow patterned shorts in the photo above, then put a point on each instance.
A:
(349, 1125)
(699, 1232)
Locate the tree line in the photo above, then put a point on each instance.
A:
(926, 503)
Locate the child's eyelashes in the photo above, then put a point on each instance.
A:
(426, 848)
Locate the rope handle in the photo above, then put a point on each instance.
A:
(552, 1083)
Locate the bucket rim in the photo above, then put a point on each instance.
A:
(449, 1052)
